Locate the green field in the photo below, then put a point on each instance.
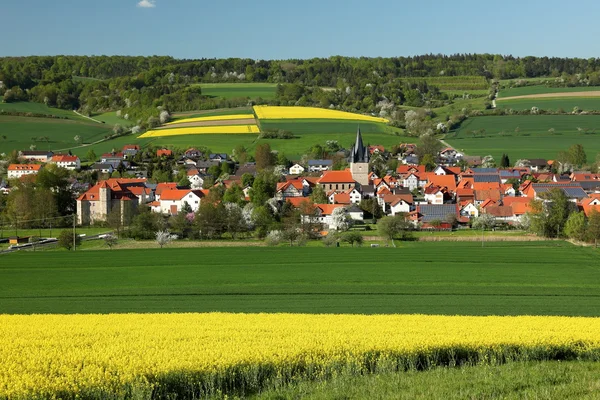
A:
(541, 89)
(553, 278)
(61, 132)
(111, 118)
(532, 380)
(210, 113)
(557, 103)
(237, 90)
(308, 133)
(533, 140)
(38, 108)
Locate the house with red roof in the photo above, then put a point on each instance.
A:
(112, 195)
(337, 180)
(323, 214)
(16, 171)
(166, 153)
(66, 161)
(434, 194)
(350, 196)
(172, 201)
(292, 188)
(393, 204)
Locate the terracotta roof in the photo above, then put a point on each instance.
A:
(394, 199)
(465, 183)
(121, 189)
(520, 205)
(297, 201)
(488, 194)
(164, 186)
(499, 211)
(64, 158)
(405, 169)
(178, 194)
(24, 167)
(337, 177)
(131, 147)
(164, 152)
(465, 192)
(585, 177)
(327, 209)
(341, 198)
(447, 181)
(112, 155)
(432, 189)
(487, 186)
(488, 203)
(154, 204)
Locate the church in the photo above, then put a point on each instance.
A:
(359, 161)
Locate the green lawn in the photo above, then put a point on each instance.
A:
(111, 119)
(237, 90)
(533, 140)
(537, 278)
(20, 132)
(540, 89)
(565, 103)
(532, 380)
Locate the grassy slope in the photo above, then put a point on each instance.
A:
(533, 139)
(20, 131)
(542, 380)
(540, 89)
(564, 103)
(236, 90)
(429, 278)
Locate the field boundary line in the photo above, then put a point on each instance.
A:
(90, 118)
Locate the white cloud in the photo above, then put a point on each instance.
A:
(146, 3)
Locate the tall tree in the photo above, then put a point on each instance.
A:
(264, 156)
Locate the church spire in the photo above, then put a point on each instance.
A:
(359, 154)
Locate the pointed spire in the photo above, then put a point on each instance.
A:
(359, 153)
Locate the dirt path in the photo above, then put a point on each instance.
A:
(594, 93)
(90, 118)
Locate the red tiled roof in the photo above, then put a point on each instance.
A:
(297, 201)
(64, 158)
(487, 185)
(337, 177)
(488, 194)
(327, 209)
(394, 199)
(341, 198)
(24, 167)
(447, 181)
(112, 155)
(164, 152)
(165, 186)
(499, 211)
(178, 194)
(405, 169)
(131, 147)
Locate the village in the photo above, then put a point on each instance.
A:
(451, 195)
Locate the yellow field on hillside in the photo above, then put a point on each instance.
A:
(212, 118)
(59, 356)
(202, 130)
(276, 112)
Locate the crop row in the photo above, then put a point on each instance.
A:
(276, 112)
(203, 130)
(191, 355)
(213, 118)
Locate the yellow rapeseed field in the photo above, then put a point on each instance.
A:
(213, 118)
(96, 355)
(203, 130)
(276, 112)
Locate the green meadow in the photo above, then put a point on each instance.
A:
(238, 90)
(21, 131)
(565, 104)
(518, 278)
(526, 136)
(541, 89)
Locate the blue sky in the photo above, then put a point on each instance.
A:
(280, 29)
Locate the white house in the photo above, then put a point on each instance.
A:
(36, 155)
(411, 182)
(19, 170)
(319, 165)
(469, 210)
(296, 169)
(196, 181)
(173, 200)
(434, 195)
(66, 161)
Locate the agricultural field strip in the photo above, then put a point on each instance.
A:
(212, 118)
(201, 130)
(281, 112)
(591, 94)
(101, 354)
(542, 89)
(230, 122)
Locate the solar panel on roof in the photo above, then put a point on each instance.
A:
(486, 178)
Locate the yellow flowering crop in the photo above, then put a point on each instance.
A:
(53, 356)
(275, 112)
(202, 130)
(213, 118)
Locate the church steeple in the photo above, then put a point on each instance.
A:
(359, 154)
